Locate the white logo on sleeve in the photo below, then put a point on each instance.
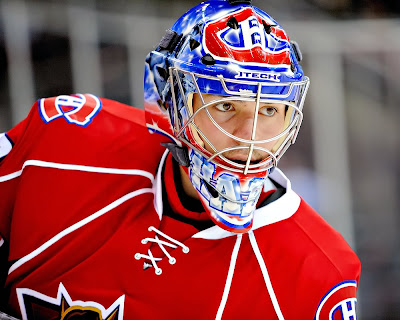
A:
(346, 309)
(5, 145)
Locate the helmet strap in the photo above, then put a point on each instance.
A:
(180, 154)
(236, 2)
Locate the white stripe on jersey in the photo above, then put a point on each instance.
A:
(76, 167)
(264, 271)
(76, 226)
(229, 277)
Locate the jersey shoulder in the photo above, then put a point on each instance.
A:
(83, 129)
(84, 110)
(327, 243)
(323, 266)
(332, 266)
(78, 111)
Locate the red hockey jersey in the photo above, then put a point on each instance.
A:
(81, 210)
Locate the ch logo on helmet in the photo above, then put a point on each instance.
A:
(79, 109)
(249, 43)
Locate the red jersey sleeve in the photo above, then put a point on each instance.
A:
(11, 161)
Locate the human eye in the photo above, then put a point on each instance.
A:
(268, 111)
(225, 106)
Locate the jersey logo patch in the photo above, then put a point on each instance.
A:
(79, 109)
(35, 306)
(249, 42)
(339, 303)
(5, 145)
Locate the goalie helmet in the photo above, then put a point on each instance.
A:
(217, 54)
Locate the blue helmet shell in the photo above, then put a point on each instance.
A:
(185, 47)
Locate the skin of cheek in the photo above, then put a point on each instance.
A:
(216, 137)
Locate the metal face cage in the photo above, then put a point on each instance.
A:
(183, 84)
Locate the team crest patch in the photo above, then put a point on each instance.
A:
(79, 109)
(339, 303)
(36, 306)
(248, 41)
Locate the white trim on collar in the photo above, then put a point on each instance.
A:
(281, 209)
(157, 186)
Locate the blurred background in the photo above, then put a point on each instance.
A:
(345, 162)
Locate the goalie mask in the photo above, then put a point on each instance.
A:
(226, 86)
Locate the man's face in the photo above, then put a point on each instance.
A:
(237, 118)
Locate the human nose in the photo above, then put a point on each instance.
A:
(244, 126)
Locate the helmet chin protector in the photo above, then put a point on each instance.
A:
(220, 53)
(229, 198)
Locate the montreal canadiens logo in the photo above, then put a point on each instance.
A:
(339, 303)
(79, 109)
(249, 42)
